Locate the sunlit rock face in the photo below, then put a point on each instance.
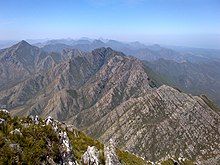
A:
(65, 148)
(110, 154)
(91, 156)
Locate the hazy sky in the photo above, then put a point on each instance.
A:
(171, 22)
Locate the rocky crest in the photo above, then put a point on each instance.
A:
(110, 154)
(33, 140)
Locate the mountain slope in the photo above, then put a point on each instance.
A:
(164, 120)
(196, 78)
(21, 61)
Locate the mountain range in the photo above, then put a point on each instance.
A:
(202, 78)
(109, 95)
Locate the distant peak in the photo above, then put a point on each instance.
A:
(23, 43)
(113, 41)
(156, 45)
(136, 42)
(98, 41)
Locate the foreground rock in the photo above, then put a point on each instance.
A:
(110, 154)
(91, 156)
(50, 142)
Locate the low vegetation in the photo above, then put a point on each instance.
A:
(23, 142)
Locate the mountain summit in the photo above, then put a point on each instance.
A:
(23, 43)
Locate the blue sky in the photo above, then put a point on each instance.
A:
(171, 22)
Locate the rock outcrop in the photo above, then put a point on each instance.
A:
(110, 154)
(91, 156)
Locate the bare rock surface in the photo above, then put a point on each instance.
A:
(110, 154)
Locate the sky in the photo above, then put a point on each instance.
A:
(194, 23)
